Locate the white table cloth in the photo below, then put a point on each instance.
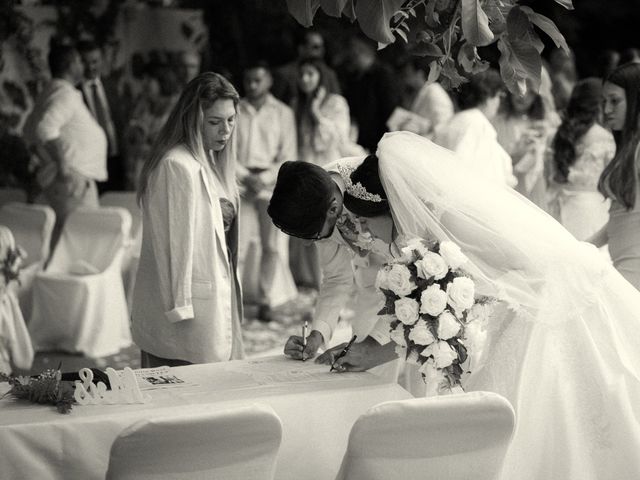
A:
(317, 409)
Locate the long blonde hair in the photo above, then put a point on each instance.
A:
(184, 127)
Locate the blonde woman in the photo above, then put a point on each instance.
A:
(187, 303)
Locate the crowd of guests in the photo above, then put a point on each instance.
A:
(204, 160)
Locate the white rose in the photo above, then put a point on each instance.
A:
(432, 265)
(381, 279)
(461, 294)
(452, 254)
(433, 377)
(433, 300)
(398, 280)
(441, 352)
(415, 244)
(478, 313)
(407, 310)
(397, 335)
(421, 335)
(448, 326)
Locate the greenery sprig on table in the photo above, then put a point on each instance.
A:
(46, 388)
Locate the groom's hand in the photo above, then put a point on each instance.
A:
(296, 349)
(361, 356)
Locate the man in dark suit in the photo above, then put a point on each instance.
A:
(101, 95)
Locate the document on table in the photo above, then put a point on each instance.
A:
(160, 377)
(267, 372)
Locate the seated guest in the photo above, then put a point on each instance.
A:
(187, 305)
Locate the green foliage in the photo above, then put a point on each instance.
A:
(448, 33)
(46, 388)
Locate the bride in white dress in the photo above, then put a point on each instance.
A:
(563, 343)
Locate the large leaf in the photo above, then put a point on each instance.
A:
(350, 10)
(547, 26)
(303, 10)
(374, 17)
(333, 8)
(475, 23)
(519, 29)
(568, 4)
(519, 62)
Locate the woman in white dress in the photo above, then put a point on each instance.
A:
(525, 126)
(470, 133)
(581, 151)
(562, 344)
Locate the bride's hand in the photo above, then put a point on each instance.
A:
(360, 357)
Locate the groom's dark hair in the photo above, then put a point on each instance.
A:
(301, 198)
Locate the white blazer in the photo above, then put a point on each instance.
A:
(182, 304)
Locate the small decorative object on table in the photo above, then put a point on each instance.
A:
(46, 388)
(430, 300)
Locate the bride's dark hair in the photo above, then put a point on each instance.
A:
(368, 175)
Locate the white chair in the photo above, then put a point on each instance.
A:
(8, 195)
(127, 200)
(454, 437)
(235, 444)
(15, 343)
(79, 303)
(31, 226)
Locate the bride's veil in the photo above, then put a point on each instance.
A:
(518, 253)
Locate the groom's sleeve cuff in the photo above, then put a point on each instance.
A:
(325, 330)
(380, 332)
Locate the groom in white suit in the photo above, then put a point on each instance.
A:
(343, 246)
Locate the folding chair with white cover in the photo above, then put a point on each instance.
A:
(15, 343)
(454, 437)
(8, 195)
(131, 258)
(31, 226)
(79, 303)
(235, 444)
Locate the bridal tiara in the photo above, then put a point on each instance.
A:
(356, 190)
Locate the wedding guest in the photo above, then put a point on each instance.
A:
(581, 150)
(619, 181)
(69, 142)
(100, 93)
(149, 113)
(471, 134)
(286, 77)
(188, 66)
(562, 70)
(323, 124)
(525, 125)
(629, 55)
(371, 90)
(428, 99)
(187, 303)
(266, 139)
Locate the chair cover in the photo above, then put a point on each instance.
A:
(234, 444)
(31, 226)
(15, 344)
(79, 302)
(454, 437)
(8, 195)
(131, 258)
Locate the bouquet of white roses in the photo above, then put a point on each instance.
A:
(430, 300)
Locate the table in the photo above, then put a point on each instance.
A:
(317, 410)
